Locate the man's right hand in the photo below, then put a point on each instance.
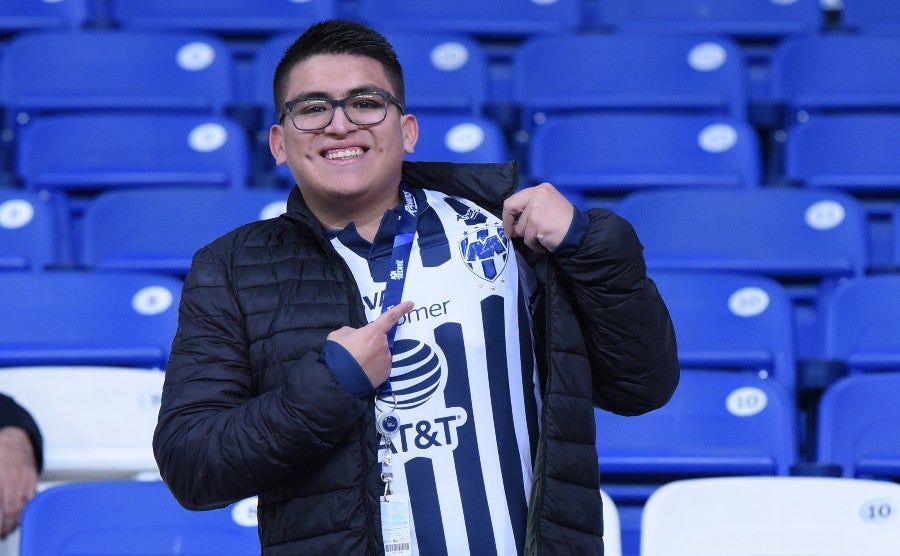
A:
(369, 345)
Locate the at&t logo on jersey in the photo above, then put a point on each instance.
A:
(417, 383)
(485, 249)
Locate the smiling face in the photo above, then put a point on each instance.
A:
(344, 167)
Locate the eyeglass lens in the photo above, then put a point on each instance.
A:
(317, 113)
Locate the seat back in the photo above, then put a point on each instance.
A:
(137, 150)
(28, 236)
(626, 152)
(233, 18)
(87, 318)
(858, 426)
(115, 70)
(130, 518)
(458, 138)
(855, 153)
(598, 72)
(732, 322)
(861, 322)
(97, 422)
(612, 534)
(769, 516)
(717, 423)
(782, 233)
(122, 229)
(487, 18)
(836, 73)
(737, 18)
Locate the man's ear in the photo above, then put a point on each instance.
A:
(276, 144)
(410, 132)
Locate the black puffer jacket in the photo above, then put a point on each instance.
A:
(249, 407)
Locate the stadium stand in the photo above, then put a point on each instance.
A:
(17, 16)
(97, 422)
(622, 153)
(132, 150)
(859, 428)
(458, 138)
(871, 17)
(122, 230)
(87, 318)
(769, 516)
(131, 518)
(28, 231)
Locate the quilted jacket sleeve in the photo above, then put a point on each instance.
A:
(215, 441)
(626, 325)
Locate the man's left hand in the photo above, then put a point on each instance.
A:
(540, 215)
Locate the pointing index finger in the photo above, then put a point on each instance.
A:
(389, 318)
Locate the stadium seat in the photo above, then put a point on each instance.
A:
(859, 426)
(87, 318)
(100, 151)
(129, 71)
(861, 320)
(484, 18)
(627, 72)
(731, 321)
(836, 73)
(129, 518)
(855, 153)
(456, 138)
(772, 516)
(717, 423)
(17, 16)
(97, 422)
(161, 229)
(871, 16)
(895, 229)
(737, 18)
(28, 236)
(627, 152)
(245, 17)
(779, 232)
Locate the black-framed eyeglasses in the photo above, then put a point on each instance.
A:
(369, 108)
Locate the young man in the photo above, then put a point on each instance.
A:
(407, 361)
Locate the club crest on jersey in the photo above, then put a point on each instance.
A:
(485, 249)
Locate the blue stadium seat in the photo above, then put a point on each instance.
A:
(895, 232)
(859, 426)
(628, 72)
(856, 153)
(100, 151)
(28, 231)
(871, 16)
(836, 73)
(716, 424)
(754, 516)
(121, 70)
(485, 18)
(737, 18)
(457, 138)
(18, 16)
(87, 318)
(245, 17)
(131, 518)
(731, 322)
(861, 320)
(627, 152)
(779, 232)
(121, 229)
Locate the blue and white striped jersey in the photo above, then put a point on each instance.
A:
(463, 377)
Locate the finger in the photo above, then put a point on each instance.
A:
(513, 208)
(389, 318)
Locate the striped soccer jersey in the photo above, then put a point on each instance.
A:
(463, 381)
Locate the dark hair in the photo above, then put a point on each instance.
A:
(337, 36)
